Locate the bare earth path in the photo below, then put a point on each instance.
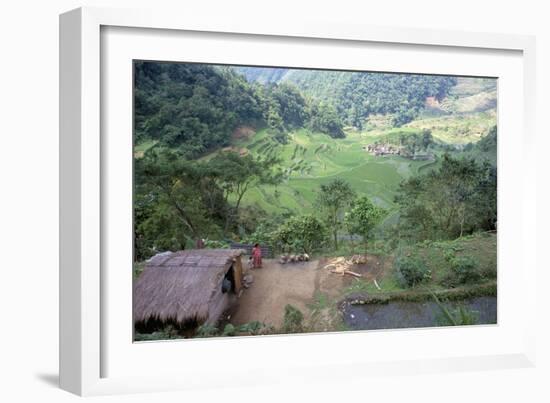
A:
(277, 285)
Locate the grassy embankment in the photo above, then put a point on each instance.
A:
(481, 247)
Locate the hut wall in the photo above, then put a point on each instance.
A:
(238, 274)
(218, 304)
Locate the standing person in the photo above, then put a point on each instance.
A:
(257, 256)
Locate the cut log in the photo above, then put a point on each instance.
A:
(344, 272)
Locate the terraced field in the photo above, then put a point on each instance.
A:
(312, 159)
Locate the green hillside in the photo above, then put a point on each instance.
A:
(311, 159)
(465, 115)
(466, 86)
(457, 128)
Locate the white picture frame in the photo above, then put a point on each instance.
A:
(84, 199)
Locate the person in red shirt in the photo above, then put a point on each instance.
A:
(257, 256)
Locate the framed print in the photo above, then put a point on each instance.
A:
(230, 187)
(366, 198)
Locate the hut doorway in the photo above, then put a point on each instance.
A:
(228, 283)
(232, 279)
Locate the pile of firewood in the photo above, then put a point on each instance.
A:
(341, 265)
(302, 257)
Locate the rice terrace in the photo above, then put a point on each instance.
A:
(279, 201)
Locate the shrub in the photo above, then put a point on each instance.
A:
(160, 335)
(293, 320)
(250, 327)
(461, 316)
(207, 331)
(411, 270)
(465, 269)
(449, 255)
(255, 328)
(229, 330)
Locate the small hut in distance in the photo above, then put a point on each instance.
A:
(187, 288)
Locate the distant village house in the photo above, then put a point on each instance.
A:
(383, 149)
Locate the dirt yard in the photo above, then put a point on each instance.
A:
(299, 284)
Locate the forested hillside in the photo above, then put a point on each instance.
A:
(195, 108)
(358, 95)
(189, 106)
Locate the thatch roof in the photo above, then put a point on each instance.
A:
(179, 287)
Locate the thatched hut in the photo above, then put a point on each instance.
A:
(189, 287)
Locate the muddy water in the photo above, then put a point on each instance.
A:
(412, 314)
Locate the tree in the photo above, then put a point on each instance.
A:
(275, 124)
(427, 138)
(301, 232)
(325, 119)
(363, 218)
(333, 198)
(236, 174)
(175, 201)
(291, 104)
(458, 198)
